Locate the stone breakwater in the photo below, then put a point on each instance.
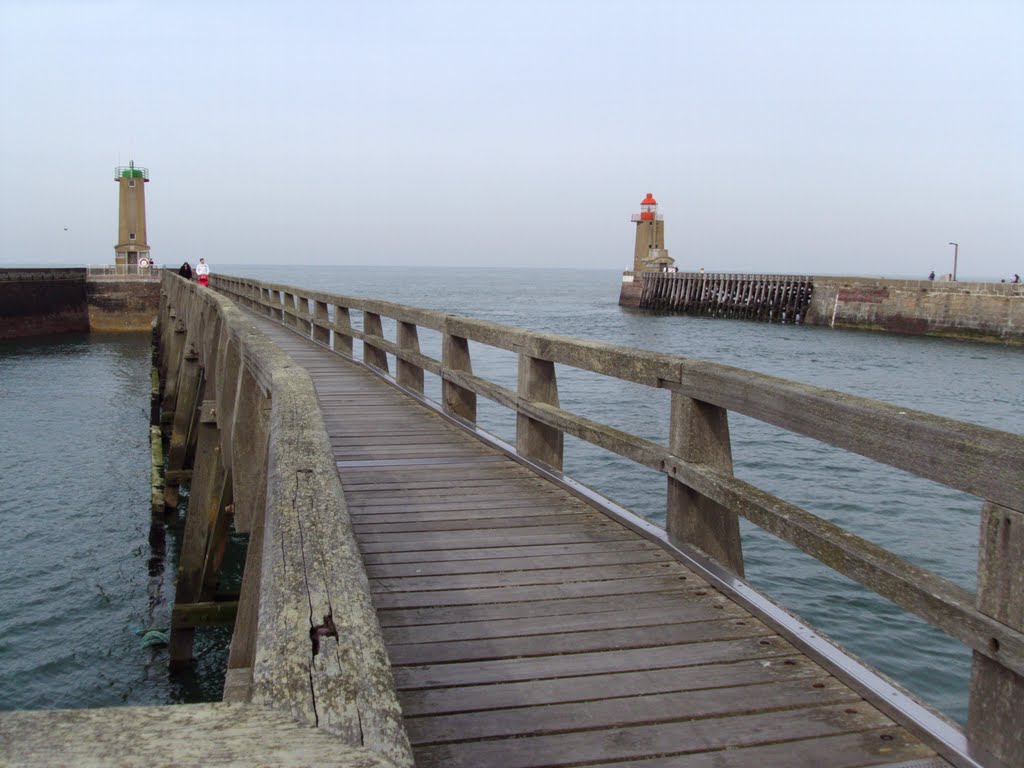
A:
(967, 310)
(41, 302)
(981, 311)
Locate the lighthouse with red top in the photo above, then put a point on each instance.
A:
(650, 253)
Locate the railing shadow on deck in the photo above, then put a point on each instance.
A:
(704, 499)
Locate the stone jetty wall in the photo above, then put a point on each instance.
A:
(982, 311)
(46, 301)
(991, 312)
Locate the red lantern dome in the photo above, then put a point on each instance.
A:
(648, 208)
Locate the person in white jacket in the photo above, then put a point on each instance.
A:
(203, 272)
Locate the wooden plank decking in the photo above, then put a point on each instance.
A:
(526, 628)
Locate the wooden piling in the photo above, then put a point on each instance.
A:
(204, 522)
(191, 385)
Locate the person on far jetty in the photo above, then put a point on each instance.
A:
(186, 271)
(932, 275)
(203, 272)
(1016, 278)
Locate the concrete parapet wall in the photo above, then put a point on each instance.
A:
(981, 311)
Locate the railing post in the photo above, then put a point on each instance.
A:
(997, 694)
(342, 330)
(409, 374)
(699, 432)
(288, 309)
(372, 355)
(457, 400)
(321, 334)
(535, 440)
(301, 313)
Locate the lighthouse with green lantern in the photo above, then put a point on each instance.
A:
(132, 250)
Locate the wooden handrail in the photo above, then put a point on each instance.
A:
(982, 461)
(985, 462)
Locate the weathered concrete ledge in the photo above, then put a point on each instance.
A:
(190, 734)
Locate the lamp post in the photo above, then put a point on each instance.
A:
(956, 248)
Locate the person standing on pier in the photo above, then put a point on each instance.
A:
(932, 276)
(203, 272)
(186, 271)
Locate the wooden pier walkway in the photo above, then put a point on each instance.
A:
(766, 298)
(526, 628)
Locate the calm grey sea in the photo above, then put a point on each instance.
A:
(74, 487)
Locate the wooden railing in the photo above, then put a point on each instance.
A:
(704, 499)
(306, 638)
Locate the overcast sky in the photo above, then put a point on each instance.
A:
(807, 137)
